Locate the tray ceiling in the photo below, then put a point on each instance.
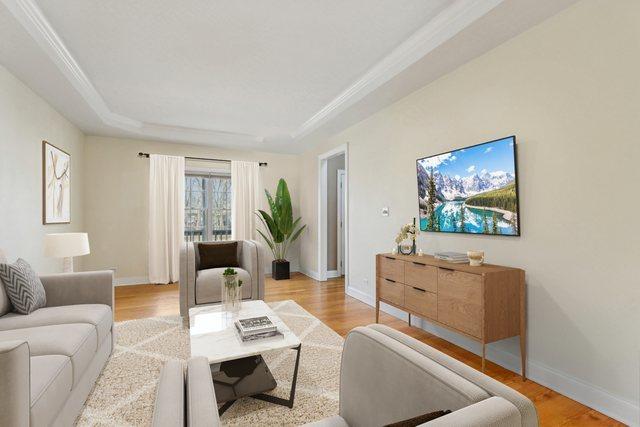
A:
(260, 74)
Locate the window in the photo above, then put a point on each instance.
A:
(207, 211)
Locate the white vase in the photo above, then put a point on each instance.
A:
(231, 293)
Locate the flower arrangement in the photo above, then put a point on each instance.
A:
(408, 231)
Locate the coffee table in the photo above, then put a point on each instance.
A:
(237, 367)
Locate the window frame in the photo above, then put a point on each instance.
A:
(209, 232)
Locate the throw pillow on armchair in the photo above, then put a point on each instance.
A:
(216, 255)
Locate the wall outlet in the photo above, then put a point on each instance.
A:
(385, 211)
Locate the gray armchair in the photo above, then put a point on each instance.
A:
(387, 377)
(202, 286)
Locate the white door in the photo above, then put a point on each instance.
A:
(341, 219)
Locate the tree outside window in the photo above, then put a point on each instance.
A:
(207, 215)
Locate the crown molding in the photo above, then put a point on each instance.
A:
(30, 16)
(443, 27)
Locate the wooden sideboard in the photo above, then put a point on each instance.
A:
(485, 303)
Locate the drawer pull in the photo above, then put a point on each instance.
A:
(390, 257)
(418, 289)
(390, 280)
(447, 269)
(420, 263)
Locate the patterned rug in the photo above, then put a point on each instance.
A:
(125, 391)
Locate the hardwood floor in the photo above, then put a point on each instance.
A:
(328, 302)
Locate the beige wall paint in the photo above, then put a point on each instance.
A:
(333, 165)
(117, 197)
(25, 121)
(569, 89)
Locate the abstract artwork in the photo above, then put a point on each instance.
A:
(56, 182)
(470, 190)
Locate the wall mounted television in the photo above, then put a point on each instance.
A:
(471, 190)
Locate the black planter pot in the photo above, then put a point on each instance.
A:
(280, 270)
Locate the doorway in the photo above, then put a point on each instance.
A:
(333, 223)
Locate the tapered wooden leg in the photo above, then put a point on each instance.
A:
(409, 319)
(377, 310)
(483, 355)
(523, 326)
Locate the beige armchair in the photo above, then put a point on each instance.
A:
(387, 377)
(202, 286)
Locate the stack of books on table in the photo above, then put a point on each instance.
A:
(255, 328)
(454, 257)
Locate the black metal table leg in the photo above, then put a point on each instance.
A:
(227, 405)
(292, 393)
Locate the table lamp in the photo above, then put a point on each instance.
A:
(66, 245)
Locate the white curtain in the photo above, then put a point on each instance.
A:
(246, 188)
(166, 217)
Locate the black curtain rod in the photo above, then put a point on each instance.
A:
(202, 158)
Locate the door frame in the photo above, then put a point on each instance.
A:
(340, 218)
(322, 212)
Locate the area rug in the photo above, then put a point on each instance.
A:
(125, 391)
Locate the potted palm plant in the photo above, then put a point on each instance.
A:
(280, 229)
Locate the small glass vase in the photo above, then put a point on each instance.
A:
(231, 293)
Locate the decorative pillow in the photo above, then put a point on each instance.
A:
(420, 419)
(216, 255)
(23, 286)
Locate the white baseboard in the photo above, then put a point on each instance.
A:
(359, 295)
(331, 274)
(313, 274)
(570, 386)
(134, 280)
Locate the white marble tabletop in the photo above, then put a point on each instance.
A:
(214, 336)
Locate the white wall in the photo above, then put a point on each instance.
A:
(25, 121)
(117, 198)
(569, 89)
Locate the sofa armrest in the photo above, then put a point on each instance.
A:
(92, 287)
(187, 279)
(168, 410)
(251, 261)
(492, 412)
(202, 409)
(15, 400)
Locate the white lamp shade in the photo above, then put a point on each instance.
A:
(62, 245)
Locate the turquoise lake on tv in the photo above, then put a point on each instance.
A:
(473, 219)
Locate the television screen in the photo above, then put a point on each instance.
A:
(470, 190)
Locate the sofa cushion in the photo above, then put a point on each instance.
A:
(79, 341)
(98, 315)
(51, 382)
(23, 286)
(217, 254)
(209, 285)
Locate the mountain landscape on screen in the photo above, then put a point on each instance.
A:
(470, 190)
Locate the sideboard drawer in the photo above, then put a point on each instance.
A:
(421, 276)
(391, 268)
(460, 301)
(421, 302)
(391, 291)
